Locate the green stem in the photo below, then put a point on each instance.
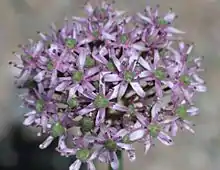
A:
(120, 159)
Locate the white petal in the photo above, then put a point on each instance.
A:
(187, 127)
(62, 86)
(201, 88)
(192, 109)
(144, 63)
(170, 17)
(39, 77)
(112, 78)
(76, 165)
(46, 143)
(109, 36)
(147, 146)
(165, 139)
(114, 94)
(173, 30)
(139, 47)
(145, 74)
(119, 107)
(72, 92)
(131, 155)
(114, 161)
(155, 109)
(144, 18)
(29, 120)
(91, 165)
(82, 58)
(38, 48)
(33, 112)
(137, 134)
(88, 7)
(174, 129)
(138, 89)
(122, 89)
(125, 146)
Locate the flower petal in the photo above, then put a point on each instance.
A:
(139, 47)
(193, 111)
(147, 145)
(88, 8)
(119, 107)
(91, 165)
(82, 58)
(87, 109)
(131, 155)
(144, 63)
(90, 72)
(29, 120)
(114, 160)
(39, 77)
(62, 86)
(76, 165)
(100, 117)
(155, 110)
(174, 129)
(159, 90)
(113, 94)
(169, 17)
(122, 89)
(108, 36)
(141, 16)
(137, 134)
(165, 139)
(144, 74)
(125, 146)
(138, 89)
(112, 78)
(173, 30)
(72, 91)
(46, 143)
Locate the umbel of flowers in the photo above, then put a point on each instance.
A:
(106, 75)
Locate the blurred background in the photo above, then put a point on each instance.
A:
(20, 19)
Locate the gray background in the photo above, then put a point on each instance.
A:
(20, 19)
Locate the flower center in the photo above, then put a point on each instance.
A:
(159, 74)
(110, 66)
(87, 124)
(131, 109)
(70, 43)
(128, 75)
(78, 76)
(185, 80)
(90, 62)
(95, 34)
(83, 154)
(154, 130)
(50, 65)
(110, 145)
(73, 102)
(57, 130)
(40, 105)
(126, 139)
(101, 102)
(181, 112)
(123, 38)
(161, 21)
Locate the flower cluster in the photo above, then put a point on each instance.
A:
(106, 76)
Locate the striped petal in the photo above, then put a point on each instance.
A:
(112, 78)
(100, 117)
(76, 165)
